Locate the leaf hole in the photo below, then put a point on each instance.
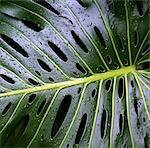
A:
(31, 98)
(38, 73)
(144, 120)
(94, 92)
(6, 108)
(79, 90)
(108, 85)
(121, 88)
(33, 82)
(51, 79)
(132, 84)
(99, 34)
(7, 79)
(81, 129)
(109, 59)
(57, 51)
(47, 5)
(116, 66)
(125, 62)
(83, 3)
(61, 114)
(33, 26)
(101, 68)
(41, 107)
(14, 45)
(44, 65)
(121, 123)
(80, 68)
(75, 73)
(136, 106)
(79, 41)
(103, 124)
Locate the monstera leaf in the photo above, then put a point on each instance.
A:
(74, 73)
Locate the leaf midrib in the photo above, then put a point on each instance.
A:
(75, 81)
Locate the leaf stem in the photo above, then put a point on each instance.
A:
(128, 111)
(128, 32)
(113, 113)
(94, 77)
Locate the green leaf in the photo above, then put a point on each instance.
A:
(74, 73)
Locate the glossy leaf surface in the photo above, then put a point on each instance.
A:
(74, 73)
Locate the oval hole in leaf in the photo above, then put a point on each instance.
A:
(124, 145)
(29, 24)
(108, 85)
(132, 84)
(136, 106)
(32, 98)
(17, 131)
(94, 93)
(33, 82)
(46, 5)
(103, 124)
(125, 62)
(101, 68)
(58, 52)
(144, 120)
(99, 34)
(14, 45)
(61, 114)
(121, 88)
(109, 59)
(44, 65)
(80, 68)
(79, 90)
(6, 109)
(51, 79)
(121, 123)
(79, 41)
(41, 107)
(82, 3)
(38, 73)
(7, 79)
(116, 66)
(81, 129)
(33, 26)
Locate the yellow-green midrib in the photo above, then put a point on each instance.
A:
(94, 77)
